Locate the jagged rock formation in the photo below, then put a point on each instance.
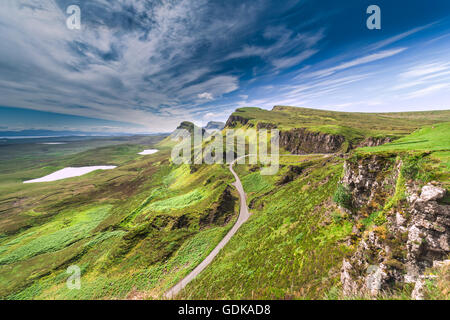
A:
(302, 141)
(428, 229)
(409, 237)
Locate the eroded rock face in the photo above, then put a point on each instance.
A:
(233, 120)
(367, 179)
(373, 142)
(302, 141)
(428, 231)
(368, 271)
(416, 233)
(220, 212)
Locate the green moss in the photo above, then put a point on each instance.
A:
(78, 227)
(178, 202)
(399, 195)
(342, 196)
(376, 218)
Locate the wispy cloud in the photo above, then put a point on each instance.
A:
(358, 61)
(426, 70)
(283, 41)
(398, 37)
(116, 71)
(156, 63)
(428, 90)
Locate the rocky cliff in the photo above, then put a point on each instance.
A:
(234, 120)
(303, 141)
(399, 231)
(373, 142)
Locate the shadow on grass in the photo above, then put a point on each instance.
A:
(409, 142)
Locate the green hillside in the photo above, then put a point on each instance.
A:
(352, 125)
(137, 230)
(293, 245)
(134, 231)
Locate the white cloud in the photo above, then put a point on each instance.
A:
(287, 62)
(206, 96)
(398, 37)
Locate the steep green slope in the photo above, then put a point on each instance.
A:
(428, 138)
(429, 145)
(353, 126)
(134, 231)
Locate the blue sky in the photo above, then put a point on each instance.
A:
(145, 66)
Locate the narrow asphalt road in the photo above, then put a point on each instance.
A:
(243, 216)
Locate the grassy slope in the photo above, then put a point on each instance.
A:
(354, 126)
(430, 145)
(292, 245)
(133, 229)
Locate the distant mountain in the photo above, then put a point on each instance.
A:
(188, 126)
(215, 125)
(52, 133)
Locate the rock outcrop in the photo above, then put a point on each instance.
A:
(428, 230)
(234, 120)
(409, 237)
(368, 179)
(303, 141)
(222, 211)
(373, 142)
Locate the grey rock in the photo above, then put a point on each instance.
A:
(430, 192)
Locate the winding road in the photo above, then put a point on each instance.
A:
(243, 217)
